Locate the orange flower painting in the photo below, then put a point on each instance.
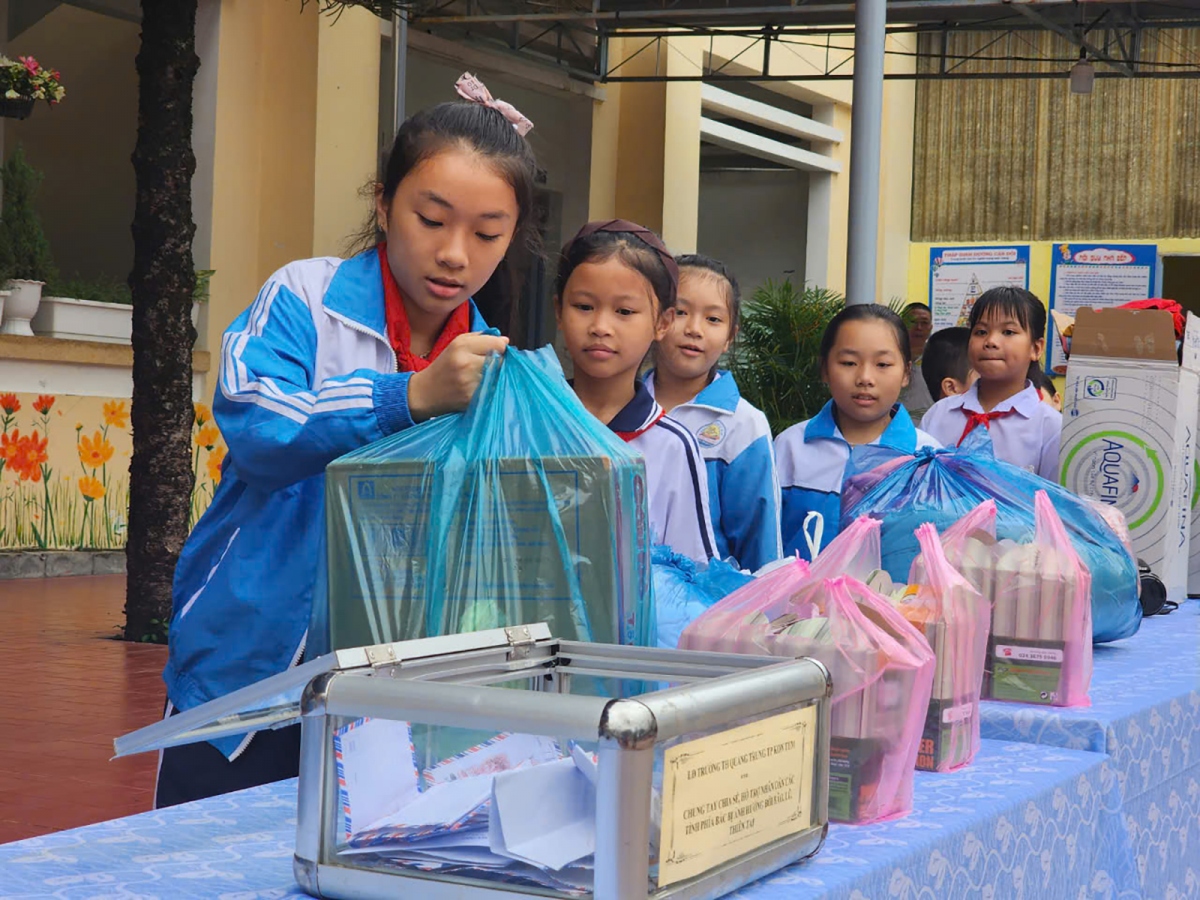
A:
(8, 445)
(45, 502)
(95, 451)
(91, 488)
(207, 437)
(28, 459)
(116, 415)
(215, 458)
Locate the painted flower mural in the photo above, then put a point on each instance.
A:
(64, 480)
(206, 460)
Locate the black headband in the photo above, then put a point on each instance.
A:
(639, 231)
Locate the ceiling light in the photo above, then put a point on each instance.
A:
(1083, 75)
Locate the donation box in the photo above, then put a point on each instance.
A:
(508, 763)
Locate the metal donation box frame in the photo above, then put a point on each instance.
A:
(467, 681)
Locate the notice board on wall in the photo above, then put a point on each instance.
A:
(1096, 276)
(959, 275)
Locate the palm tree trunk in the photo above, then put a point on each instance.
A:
(162, 281)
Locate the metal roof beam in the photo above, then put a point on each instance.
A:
(1070, 35)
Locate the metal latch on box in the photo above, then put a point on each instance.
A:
(520, 642)
(382, 655)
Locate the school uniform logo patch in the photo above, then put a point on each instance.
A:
(711, 434)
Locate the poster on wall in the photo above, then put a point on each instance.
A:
(1096, 275)
(958, 275)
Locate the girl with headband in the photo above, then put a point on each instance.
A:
(334, 354)
(616, 284)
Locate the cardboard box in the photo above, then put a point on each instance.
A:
(501, 563)
(1129, 426)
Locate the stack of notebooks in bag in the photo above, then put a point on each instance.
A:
(955, 632)
(1033, 591)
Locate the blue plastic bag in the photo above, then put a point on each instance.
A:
(941, 486)
(524, 508)
(684, 589)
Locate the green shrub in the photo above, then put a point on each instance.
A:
(775, 358)
(24, 250)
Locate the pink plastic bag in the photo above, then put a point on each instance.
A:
(882, 670)
(956, 620)
(740, 622)
(854, 552)
(881, 666)
(979, 521)
(1041, 647)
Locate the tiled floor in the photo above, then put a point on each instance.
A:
(66, 690)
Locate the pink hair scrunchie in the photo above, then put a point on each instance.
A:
(471, 88)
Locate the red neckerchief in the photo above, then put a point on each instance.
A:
(399, 332)
(628, 436)
(975, 419)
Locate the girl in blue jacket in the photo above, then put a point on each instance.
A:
(866, 362)
(733, 434)
(332, 355)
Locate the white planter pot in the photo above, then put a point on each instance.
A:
(21, 306)
(3, 297)
(83, 320)
(87, 320)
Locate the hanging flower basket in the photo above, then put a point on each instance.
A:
(23, 83)
(16, 109)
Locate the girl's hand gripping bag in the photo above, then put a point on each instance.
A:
(942, 486)
(524, 508)
(956, 619)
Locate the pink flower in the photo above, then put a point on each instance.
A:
(31, 64)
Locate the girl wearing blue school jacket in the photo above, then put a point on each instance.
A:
(616, 285)
(332, 355)
(733, 435)
(866, 361)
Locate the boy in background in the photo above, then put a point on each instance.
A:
(945, 367)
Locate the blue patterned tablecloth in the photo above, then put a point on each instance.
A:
(1023, 821)
(1145, 714)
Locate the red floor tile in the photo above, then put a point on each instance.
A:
(78, 690)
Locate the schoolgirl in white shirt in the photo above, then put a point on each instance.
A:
(1008, 335)
(616, 283)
